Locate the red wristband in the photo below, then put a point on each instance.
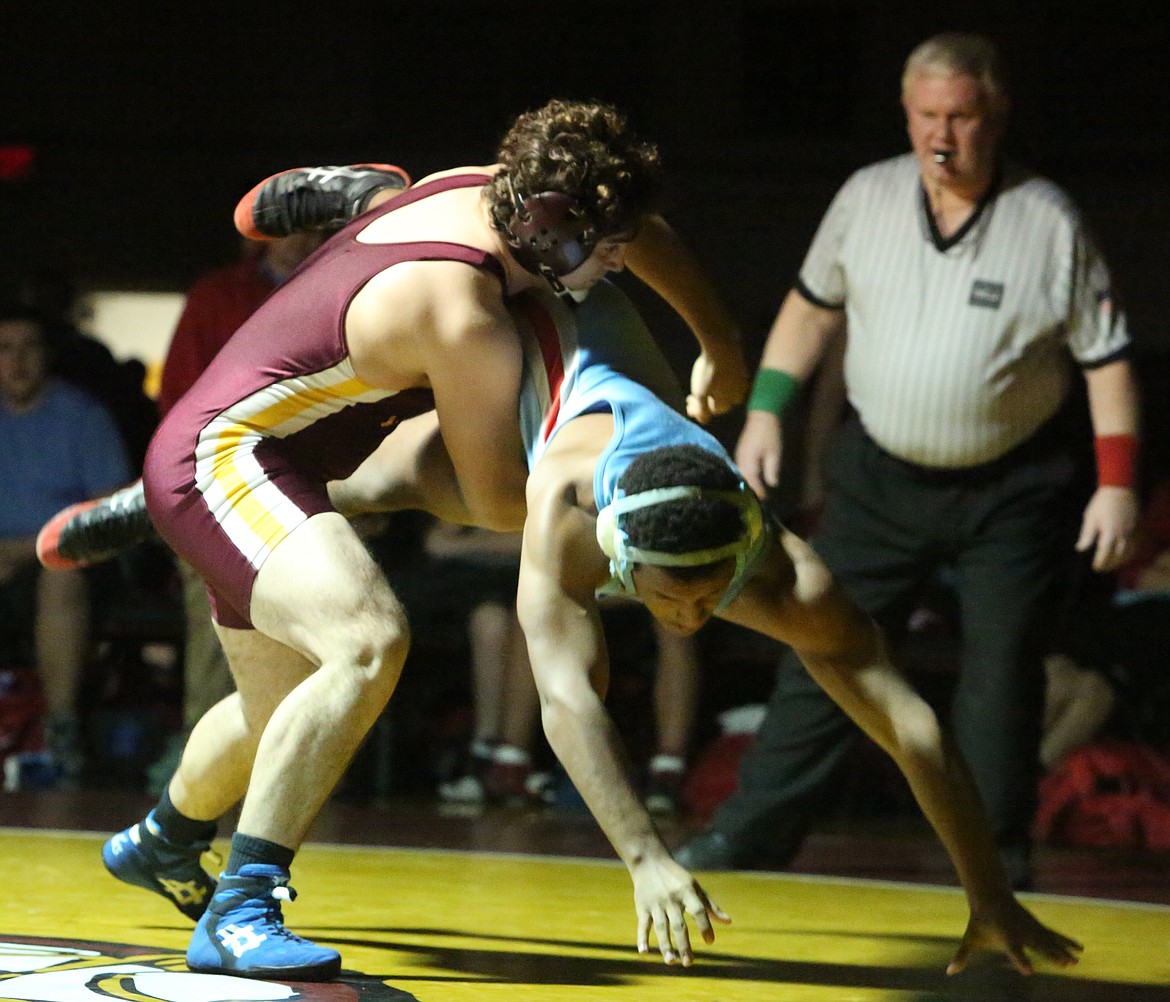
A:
(1116, 460)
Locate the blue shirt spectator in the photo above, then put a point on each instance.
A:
(65, 449)
(58, 446)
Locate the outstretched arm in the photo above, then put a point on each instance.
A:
(559, 568)
(795, 600)
(719, 378)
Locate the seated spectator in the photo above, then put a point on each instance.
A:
(676, 682)
(501, 759)
(1121, 634)
(60, 447)
(1079, 695)
(483, 567)
(1078, 701)
(84, 361)
(649, 656)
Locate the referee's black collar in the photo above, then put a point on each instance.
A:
(946, 243)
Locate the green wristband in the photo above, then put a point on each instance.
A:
(773, 391)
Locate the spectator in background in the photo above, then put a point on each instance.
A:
(60, 446)
(502, 765)
(481, 568)
(506, 706)
(216, 305)
(83, 360)
(676, 683)
(647, 659)
(971, 290)
(219, 302)
(1078, 700)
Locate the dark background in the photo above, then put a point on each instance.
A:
(150, 121)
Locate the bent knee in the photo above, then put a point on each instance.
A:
(378, 651)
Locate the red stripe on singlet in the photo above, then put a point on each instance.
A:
(554, 364)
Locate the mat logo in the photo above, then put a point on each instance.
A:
(53, 970)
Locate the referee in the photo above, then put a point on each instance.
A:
(971, 293)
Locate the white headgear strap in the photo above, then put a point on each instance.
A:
(612, 538)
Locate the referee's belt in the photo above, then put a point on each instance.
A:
(1050, 439)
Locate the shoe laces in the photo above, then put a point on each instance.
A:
(275, 916)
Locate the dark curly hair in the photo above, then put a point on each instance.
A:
(685, 525)
(583, 149)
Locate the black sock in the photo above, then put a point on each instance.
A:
(177, 827)
(249, 849)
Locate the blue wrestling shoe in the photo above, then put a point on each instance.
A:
(243, 932)
(141, 856)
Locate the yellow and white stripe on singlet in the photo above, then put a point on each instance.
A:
(252, 511)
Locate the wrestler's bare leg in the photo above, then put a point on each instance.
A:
(411, 469)
(217, 761)
(320, 595)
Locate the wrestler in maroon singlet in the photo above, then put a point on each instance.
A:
(244, 456)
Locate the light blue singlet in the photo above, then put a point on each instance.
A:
(599, 356)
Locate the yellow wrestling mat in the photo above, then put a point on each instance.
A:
(450, 927)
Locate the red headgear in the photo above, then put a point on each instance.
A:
(549, 233)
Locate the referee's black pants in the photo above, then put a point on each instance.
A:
(1007, 531)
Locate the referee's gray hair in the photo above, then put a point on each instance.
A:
(955, 52)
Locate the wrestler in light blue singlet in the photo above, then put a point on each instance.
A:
(599, 356)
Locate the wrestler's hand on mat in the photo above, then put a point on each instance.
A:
(1015, 930)
(718, 383)
(664, 894)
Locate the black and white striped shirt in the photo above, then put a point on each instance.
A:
(959, 348)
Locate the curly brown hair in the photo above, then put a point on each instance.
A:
(583, 149)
